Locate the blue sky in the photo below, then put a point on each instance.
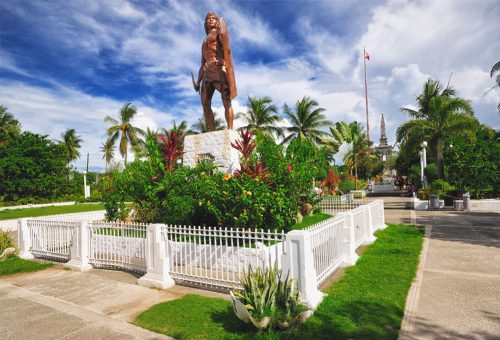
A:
(68, 64)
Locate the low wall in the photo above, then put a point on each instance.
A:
(27, 206)
(485, 205)
(475, 205)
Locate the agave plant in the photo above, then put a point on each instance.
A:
(287, 301)
(258, 295)
(269, 298)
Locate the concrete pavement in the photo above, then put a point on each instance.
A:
(456, 294)
(57, 304)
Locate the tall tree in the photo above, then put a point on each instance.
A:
(262, 116)
(9, 126)
(71, 144)
(352, 134)
(436, 119)
(123, 129)
(496, 69)
(108, 150)
(432, 89)
(201, 126)
(306, 120)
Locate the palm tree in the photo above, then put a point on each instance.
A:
(9, 126)
(71, 144)
(262, 116)
(496, 69)
(443, 117)
(124, 130)
(108, 150)
(306, 120)
(351, 134)
(201, 126)
(141, 149)
(432, 89)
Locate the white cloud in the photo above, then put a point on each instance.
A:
(52, 111)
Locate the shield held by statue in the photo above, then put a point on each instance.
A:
(228, 58)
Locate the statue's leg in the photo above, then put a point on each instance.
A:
(228, 109)
(207, 92)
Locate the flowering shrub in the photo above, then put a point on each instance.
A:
(267, 192)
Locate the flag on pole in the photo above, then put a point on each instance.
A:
(367, 56)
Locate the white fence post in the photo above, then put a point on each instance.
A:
(299, 262)
(382, 212)
(369, 227)
(350, 256)
(24, 239)
(157, 261)
(80, 246)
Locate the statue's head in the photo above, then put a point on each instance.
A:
(210, 20)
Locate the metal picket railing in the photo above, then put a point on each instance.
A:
(335, 204)
(51, 239)
(328, 243)
(218, 257)
(118, 245)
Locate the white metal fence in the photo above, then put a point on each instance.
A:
(206, 256)
(334, 241)
(118, 245)
(50, 239)
(335, 204)
(218, 257)
(328, 242)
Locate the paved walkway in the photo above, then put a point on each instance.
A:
(457, 291)
(456, 294)
(61, 304)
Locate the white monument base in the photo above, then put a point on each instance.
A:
(214, 146)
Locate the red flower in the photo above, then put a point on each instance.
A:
(289, 168)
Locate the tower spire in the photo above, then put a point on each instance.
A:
(383, 137)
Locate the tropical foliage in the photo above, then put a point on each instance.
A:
(271, 298)
(439, 115)
(123, 130)
(71, 143)
(262, 116)
(9, 126)
(201, 126)
(307, 120)
(494, 70)
(32, 165)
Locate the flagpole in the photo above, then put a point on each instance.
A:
(366, 98)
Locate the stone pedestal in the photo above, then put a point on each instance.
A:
(214, 146)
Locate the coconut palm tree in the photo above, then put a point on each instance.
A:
(71, 144)
(432, 88)
(443, 117)
(352, 141)
(201, 126)
(124, 130)
(496, 69)
(306, 121)
(108, 150)
(8, 124)
(262, 116)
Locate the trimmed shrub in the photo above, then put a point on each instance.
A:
(346, 186)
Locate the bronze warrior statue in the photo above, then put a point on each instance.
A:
(216, 71)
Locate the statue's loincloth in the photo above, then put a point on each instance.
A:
(216, 77)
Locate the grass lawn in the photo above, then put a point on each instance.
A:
(367, 303)
(10, 214)
(308, 221)
(14, 265)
